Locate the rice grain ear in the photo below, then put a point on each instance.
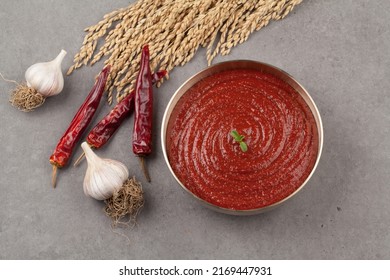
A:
(174, 30)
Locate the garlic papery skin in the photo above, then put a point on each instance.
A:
(46, 77)
(103, 176)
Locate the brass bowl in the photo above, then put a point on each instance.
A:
(231, 65)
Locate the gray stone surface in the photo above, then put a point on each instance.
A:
(339, 51)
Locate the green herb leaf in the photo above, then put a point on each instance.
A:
(243, 146)
(239, 139)
(235, 135)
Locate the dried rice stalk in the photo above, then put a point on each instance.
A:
(174, 30)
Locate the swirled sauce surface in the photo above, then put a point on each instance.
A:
(279, 128)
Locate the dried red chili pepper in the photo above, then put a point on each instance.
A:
(142, 132)
(83, 117)
(103, 131)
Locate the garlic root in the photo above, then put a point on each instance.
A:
(128, 201)
(26, 98)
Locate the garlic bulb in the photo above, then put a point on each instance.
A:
(42, 80)
(103, 176)
(46, 77)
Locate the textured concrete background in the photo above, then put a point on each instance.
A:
(339, 51)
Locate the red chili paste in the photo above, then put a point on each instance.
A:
(279, 128)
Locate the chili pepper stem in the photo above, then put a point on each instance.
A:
(79, 159)
(54, 176)
(144, 169)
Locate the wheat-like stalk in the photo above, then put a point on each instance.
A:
(174, 31)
